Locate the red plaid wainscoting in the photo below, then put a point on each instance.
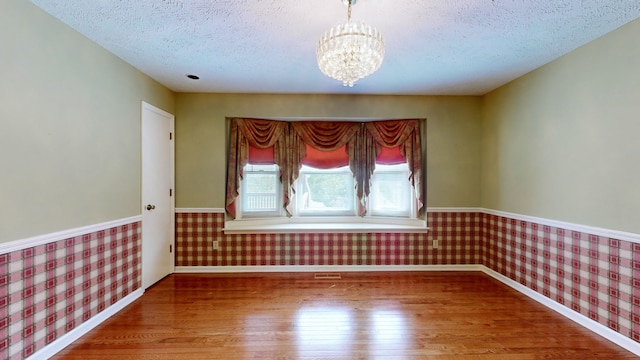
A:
(596, 276)
(48, 290)
(458, 235)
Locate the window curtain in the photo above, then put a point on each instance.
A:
(328, 137)
(404, 134)
(288, 141)
(362, 162)
(260, 134)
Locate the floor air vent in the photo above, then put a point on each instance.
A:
(326, 276)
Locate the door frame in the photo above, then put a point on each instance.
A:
(148, 107)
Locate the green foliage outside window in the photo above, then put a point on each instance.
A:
(332, 190)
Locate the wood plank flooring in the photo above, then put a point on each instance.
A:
(420, 315)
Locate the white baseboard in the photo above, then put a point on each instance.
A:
(73, 335)
(322, 268)
(592, 325)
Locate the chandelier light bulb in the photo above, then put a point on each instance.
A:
(350, 51)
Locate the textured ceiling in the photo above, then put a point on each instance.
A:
(445, 47)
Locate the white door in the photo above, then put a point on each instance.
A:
(158, 205)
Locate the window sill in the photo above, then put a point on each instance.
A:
(324, 225)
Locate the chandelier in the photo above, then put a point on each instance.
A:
(350, 51)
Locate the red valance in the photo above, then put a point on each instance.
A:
(326, 159)
(260, 156)
(390, 156)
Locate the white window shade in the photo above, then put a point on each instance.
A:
(391, 193)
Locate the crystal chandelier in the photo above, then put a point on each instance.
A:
(350, 51)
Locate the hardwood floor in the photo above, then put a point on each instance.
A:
(431, 315)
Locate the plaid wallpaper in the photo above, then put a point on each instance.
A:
(596, 276)
(48, 290)
(458, 235)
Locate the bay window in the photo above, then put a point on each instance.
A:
(312, 171)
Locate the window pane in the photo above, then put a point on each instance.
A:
(390, 191)
(325, 192)
(260, 189)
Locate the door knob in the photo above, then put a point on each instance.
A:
(151, 207)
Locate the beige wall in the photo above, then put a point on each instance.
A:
(453, 140)
(70, 127)
(563, 141)
(558, 143)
